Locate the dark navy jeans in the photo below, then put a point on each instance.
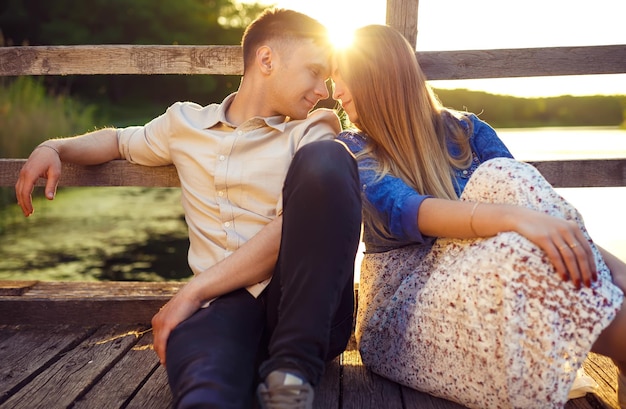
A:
(303, 319)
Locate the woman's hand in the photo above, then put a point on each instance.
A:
(562, 241)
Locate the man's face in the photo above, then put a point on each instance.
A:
(299, 81)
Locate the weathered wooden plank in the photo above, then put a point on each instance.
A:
(402, 14)
(227, 60)
(418, 400)
(328, 391)
(523, 62)
(49, 290)
(135, 310)
(364, 389)
(14, 287)
(604, 372)
(26, 351)
(122, 382)
(566, 173)
(154, 394)
(584, 173)
(121, 59)
(114, 173)
(87, 303)
(67, 379)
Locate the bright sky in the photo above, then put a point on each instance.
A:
(491, 24)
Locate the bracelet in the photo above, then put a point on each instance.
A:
(471, 221)
(49, 147)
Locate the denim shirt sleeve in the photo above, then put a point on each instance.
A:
(486, 143)
(395, 202)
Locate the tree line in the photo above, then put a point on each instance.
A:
(503, 111)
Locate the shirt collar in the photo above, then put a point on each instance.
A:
(278, 122)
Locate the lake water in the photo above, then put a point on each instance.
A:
(602, 207)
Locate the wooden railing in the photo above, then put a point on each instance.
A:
(227, 60)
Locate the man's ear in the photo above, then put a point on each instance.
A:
(264, 55)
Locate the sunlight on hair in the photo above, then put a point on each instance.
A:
(341, 37)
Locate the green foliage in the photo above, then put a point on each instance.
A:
(503, 111)
(29, 115)
(67, 22)
(189, 22)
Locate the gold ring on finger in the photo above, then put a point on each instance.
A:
(573, 245)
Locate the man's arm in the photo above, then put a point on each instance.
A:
(250, 264)
(89, 149)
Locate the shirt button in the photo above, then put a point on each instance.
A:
(239, 133)
(222, 157)
(465, 172)
(227, 224)
(220, 193)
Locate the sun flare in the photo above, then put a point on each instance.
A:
(341, 18)
(341, 38)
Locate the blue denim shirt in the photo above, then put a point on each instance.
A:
(390, 206)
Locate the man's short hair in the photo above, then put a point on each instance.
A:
(282, 25)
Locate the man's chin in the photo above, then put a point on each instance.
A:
(299, 115)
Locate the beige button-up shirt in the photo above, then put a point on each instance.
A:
(231, 177)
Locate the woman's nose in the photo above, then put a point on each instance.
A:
(337, 91)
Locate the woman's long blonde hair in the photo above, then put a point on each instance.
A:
(406, 126)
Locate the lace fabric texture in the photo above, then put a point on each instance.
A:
(484, 322)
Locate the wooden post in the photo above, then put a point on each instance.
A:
(402, 15)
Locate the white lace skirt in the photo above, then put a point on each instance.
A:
(486, 322)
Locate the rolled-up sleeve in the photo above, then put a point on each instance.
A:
(149, 145)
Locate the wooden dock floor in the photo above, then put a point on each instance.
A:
(61, 364)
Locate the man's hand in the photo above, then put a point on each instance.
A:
(178, 309)
(44, 162)
(91, 148)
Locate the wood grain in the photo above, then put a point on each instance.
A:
(65, 380)
(121, 59)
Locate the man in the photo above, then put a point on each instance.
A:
(233, 160)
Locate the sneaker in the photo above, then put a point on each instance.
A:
(621, 390)
(283, 390)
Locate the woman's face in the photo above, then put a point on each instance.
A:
(342, 94)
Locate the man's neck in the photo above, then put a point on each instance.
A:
(249, 102)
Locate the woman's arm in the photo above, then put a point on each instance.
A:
(562, 240)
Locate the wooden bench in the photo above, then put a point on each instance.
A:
(87, 345)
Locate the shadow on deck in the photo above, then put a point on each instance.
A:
(53, 360)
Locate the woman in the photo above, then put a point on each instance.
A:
(480, 283)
